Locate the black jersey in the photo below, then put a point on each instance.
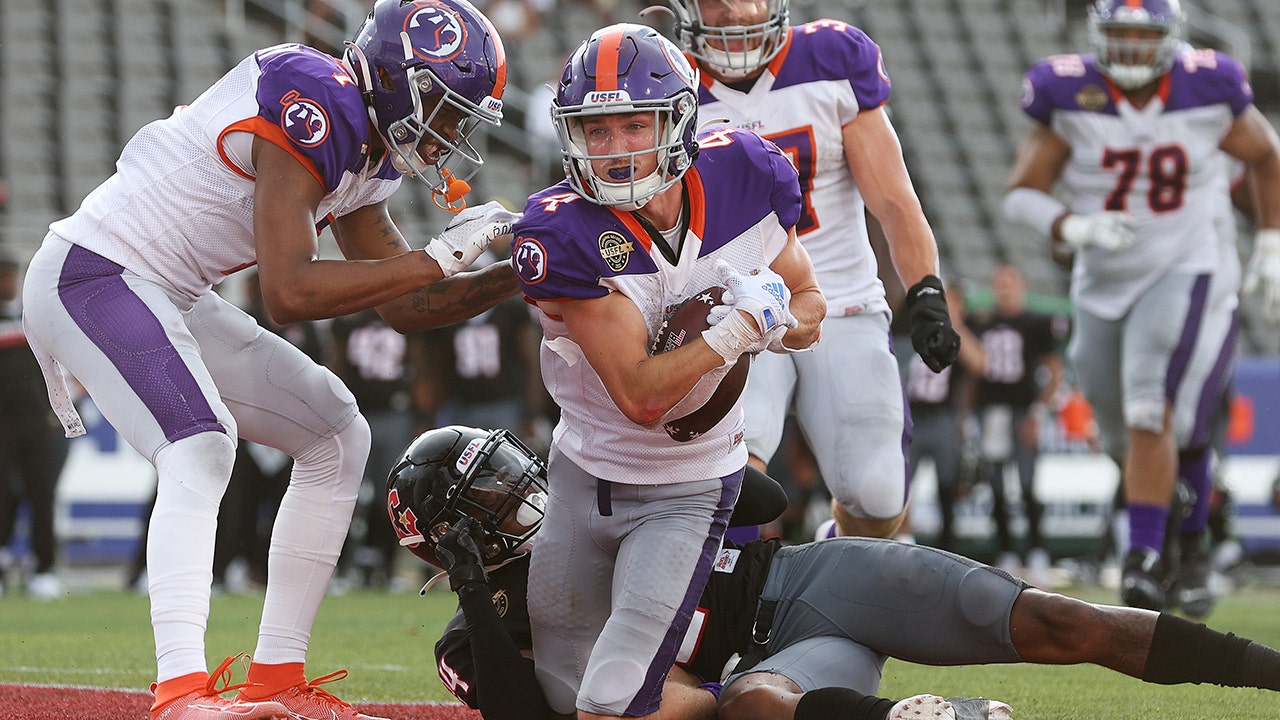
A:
(1015, 346)
(722, 623)
(22, 394)
(721, 626)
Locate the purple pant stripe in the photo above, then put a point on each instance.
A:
(121, 325)
(647, 700)
(1187, 342)
(1214, 386)
(908, 431)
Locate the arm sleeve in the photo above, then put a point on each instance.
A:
(505, 686)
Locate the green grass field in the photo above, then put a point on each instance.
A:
(103, 639)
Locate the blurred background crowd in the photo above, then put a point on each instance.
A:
(78, 78)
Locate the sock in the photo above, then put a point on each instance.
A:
(1193, 470)
(174, 688)
(1146, 526)
(1185, 652)
(310, 529)
(837, 703)
(267, 680)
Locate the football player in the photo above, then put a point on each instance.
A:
(648, 216)
(288, 142)
(1134, 133)
(470, 501)
(818, 91)
(1015, 379)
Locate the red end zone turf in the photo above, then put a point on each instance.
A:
(45, 702)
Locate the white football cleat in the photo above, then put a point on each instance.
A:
(922, 707)
(980, 709)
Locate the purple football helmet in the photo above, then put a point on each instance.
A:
(734, 51)
(417, 59)
(453, 471)
(1133, 62)
(620, 69)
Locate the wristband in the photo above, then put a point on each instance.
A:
(712, 687)
(1034, 208)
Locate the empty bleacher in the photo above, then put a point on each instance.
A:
(79, 78)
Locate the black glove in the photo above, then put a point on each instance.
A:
(932, 336)
(458, 550)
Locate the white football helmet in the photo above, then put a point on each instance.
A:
(734, 51)
(1131, 62)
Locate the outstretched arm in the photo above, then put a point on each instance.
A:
(379, 269)
(434, 301)
(504, 684)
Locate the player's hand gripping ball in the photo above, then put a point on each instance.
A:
(684, 324)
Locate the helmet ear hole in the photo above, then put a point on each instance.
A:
(384, 79)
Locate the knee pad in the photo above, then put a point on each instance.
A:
(338, 459)
(200, 464)
(611, 687)
(1148, 415)
(982, 597)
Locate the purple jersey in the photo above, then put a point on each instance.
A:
(743, 198)
(179, 209)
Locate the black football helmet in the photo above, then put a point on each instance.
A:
(454, 471)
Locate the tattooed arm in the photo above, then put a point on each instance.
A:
(296, 283)
(368, 234)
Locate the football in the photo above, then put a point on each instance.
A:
(683, 324)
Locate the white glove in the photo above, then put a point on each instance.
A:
(469, 234)
(1263, 273)
(1108, 230)
(763, 299)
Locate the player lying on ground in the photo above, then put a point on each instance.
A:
(470, 501)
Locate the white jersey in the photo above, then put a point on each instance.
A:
(743, 195)
(1160, 163)
(826, 74)
(179, 209)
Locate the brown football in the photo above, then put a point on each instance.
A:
(686, 322)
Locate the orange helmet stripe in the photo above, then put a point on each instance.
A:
(499, 57)
(607, 60)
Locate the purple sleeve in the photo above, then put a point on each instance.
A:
(867, 73)
(547, 249)
(836, 50)
(311, 99)
(1036, 97)
(785, 198)
(1208, 77)
(744, 178)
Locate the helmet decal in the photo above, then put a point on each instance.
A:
(468, 455)
(447, 33)
(456, 471)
